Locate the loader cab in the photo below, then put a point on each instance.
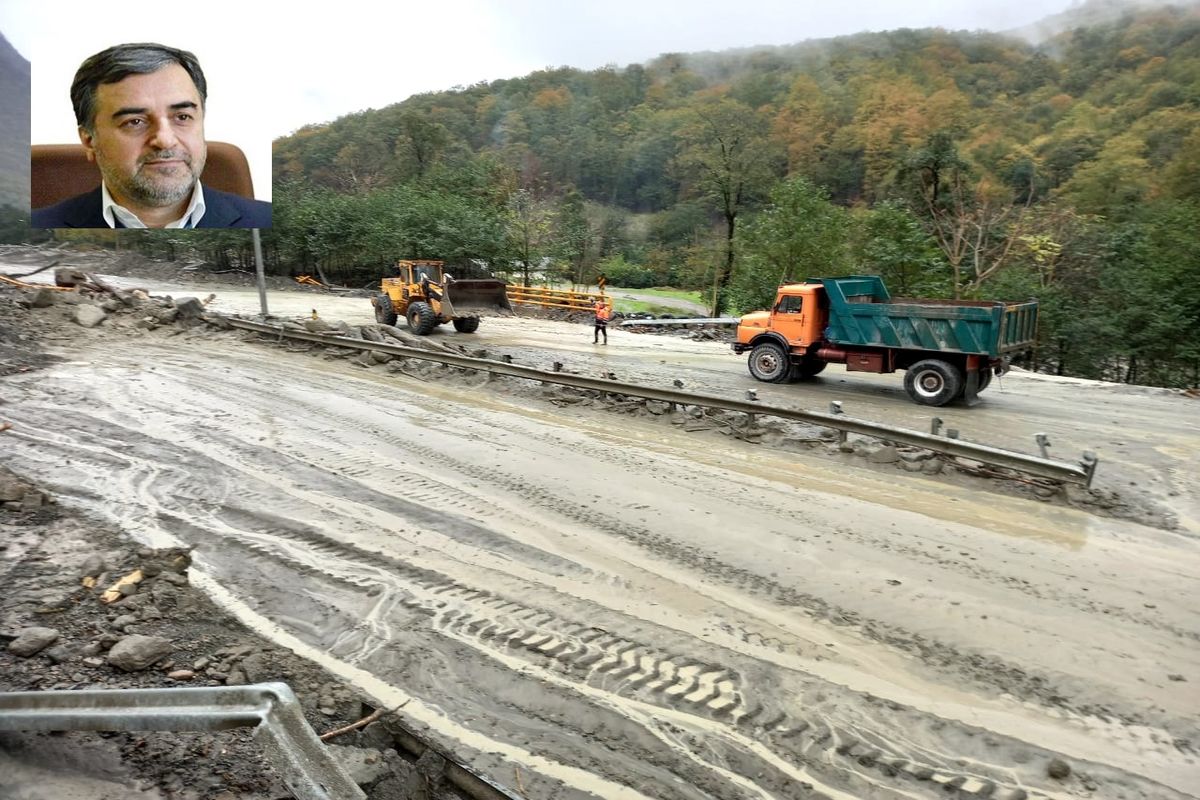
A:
(415, 271)
(799, 313)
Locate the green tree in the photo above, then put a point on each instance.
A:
(1114, 183)
(798, 235)
(420, 145)
(573, 239)
(730, 160)
(1153, 296)
(890, 240)
(530, 222)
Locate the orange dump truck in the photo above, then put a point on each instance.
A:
(948, 349)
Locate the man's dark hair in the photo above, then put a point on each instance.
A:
(119, 62)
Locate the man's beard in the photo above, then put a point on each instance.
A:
(146, 188)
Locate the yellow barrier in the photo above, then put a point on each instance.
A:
(545, 297)
(24, 285)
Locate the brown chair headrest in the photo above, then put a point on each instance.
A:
(62, 170)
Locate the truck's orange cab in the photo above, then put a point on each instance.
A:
(798, 316)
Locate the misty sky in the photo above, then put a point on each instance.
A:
(272, 69)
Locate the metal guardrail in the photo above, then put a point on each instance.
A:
(1042, 467)
(693, 321)
(305, 765)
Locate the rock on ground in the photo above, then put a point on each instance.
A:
(137, 652)
(31, 641)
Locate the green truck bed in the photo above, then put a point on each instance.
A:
(861, 313)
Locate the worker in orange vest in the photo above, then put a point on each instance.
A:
(602, 315)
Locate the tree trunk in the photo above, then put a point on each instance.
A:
(726, 270)
(321, 275)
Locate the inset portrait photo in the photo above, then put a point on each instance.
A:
(143, 159)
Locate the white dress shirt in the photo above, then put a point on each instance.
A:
(113, 212)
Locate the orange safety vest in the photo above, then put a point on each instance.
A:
(602, 312)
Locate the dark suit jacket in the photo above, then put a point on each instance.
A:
(221, 210)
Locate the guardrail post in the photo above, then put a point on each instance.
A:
(1089, 462)
(935, 425)
(835, 408)
(1043, 443)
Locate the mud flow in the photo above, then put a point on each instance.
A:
(625, 609)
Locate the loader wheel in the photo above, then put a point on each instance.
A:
(466, 324)
(768, 363)
(807, 368)
(385, 312)
(933, 382)
(421, 319)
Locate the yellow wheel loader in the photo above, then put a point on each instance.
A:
(427, 297)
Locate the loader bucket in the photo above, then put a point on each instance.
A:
(470, 298)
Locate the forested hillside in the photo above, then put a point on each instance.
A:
(953, 163)
(14, 126)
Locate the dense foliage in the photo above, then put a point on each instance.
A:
(953, 163)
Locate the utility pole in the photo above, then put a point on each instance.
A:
(258, 268)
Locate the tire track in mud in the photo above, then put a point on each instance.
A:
(703, 483)
(550, 500)
(986, 670)
(980, 667)
(592, 656)
(619, 665)
(609, 662)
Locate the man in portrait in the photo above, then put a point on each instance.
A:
(140, 109)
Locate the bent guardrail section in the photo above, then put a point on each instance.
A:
(307, 768)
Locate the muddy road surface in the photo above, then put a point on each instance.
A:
(586, 604)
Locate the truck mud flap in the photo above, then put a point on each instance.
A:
(973, 379)
(971, 388)
(468, 298)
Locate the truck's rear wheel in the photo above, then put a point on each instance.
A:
(807, 368)
(385, 312)
(769, 363)
(466, 324)
(933, 382)
(421, 319)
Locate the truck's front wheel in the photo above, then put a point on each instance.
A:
(769, 363)
(933, 382)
